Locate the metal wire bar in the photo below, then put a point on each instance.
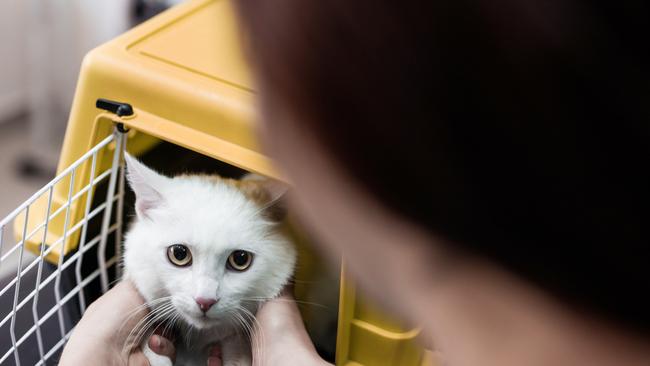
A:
(84, 232)
(101, 252)
(57, 283)
(56, 347)
(55, 309)
(52, 277)
(54, 181)
(17, 293)
(53, 215)
(120, 210)
(94, 213)
(39, 337)
(110, 225)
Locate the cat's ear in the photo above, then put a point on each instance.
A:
(267, 193)
(147, 185)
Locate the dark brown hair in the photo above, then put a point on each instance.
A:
(517, 129)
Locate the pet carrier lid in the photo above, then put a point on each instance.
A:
(184, 74)
(182, 78)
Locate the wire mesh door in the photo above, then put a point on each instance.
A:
(58, 253)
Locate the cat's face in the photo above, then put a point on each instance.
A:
(209, 244)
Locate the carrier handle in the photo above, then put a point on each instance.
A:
(119, 108)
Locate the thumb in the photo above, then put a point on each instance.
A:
(214, 359)
(138, 359)
(162, 346)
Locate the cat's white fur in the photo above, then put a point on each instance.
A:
(213, 218)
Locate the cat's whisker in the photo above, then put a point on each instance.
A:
(245, 326)
(170, 323)
(236, 314)
(132, 338)
(151, 303)
(116, 279)
(136, 335)
(136, 310)
(151, 322)
(164, 322)
(148, 304)
(130, 343)
(187, 335)
(132, 313)
(154, 326)
(258, 342)
(240, 321)
(300, 302)
(236, 319)
(300, 282)
(173, 321)
(256, 334)
(147, 330)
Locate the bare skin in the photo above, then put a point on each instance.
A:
(285, 339)
(102, 332)
(99, 338)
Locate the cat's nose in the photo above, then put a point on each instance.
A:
(205, 304)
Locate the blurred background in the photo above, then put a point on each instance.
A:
(43, 44)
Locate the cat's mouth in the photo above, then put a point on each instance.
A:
(200, 319)
(191, 315)
(203, 321)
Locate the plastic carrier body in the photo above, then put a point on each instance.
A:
(184, 78)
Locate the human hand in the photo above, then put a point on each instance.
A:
(281, 337)
(101, 335)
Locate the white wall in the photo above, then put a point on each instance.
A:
(61, 32)
(43, 42)
(13, 91)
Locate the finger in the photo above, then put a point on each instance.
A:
(215, 358)
(166, 332)
(214, 361)
(138, 359)
(162, 346)
(112, 317)
(282, 328)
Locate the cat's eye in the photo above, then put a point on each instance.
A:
(239, 260)
(179, 255)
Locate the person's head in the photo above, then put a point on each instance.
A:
(514, 131)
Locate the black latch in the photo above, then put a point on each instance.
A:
(121, 109)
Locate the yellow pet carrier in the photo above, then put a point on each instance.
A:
(175, 92)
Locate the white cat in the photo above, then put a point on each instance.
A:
(204, 252)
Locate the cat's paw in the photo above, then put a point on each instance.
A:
(154, 358)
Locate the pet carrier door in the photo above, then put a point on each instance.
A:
(65, 255)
